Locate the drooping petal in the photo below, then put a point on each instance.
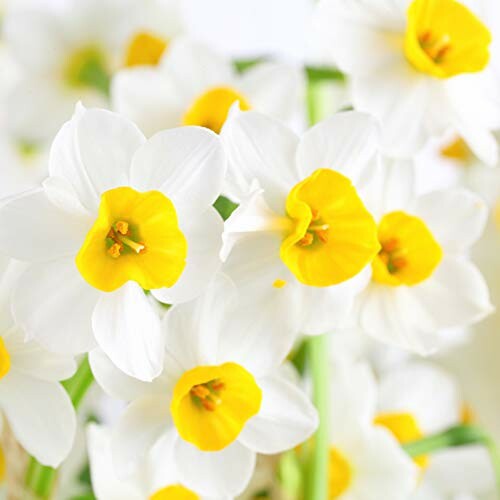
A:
(221, 473)
(186, 164)
(94, 151)
(204, 241)
(41, 416)
(286, 418)
(127, 329)
(54, 305)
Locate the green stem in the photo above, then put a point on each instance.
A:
(41, 479)
(317, 468)
(460, 435)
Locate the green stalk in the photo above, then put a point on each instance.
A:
(460, 435)
(41, 479)
(316, 480)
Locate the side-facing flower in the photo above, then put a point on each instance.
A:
(422, 281)
(221, 398)
(366, 461)
(117, 216)
(36, 406)
(194, 85)
(420, 66)
(301, 237)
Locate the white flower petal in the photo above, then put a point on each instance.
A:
(34, 230)
(273, 88)
(263, 148)
(62, 194)
(53, 304)
(41, 416)
(204, 238)
(119, 385)
(145, 420)
(347, 142)
(220, 473)
(94, 151)
(456, 217)
(127, 329)
(148, 98)
(187, 164)
(286, 418)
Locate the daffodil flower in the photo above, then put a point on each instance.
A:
(117, 216)
(156, 479)
(420, 66)
(194, 85)
(422, 281)
(35, 405)
(301, 241)
(221, 398)
(365, 460)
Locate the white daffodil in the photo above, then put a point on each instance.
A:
(221, 398)
(68, 50)
(117, 215)
(301, 236)
(422, 281)
(366, 462)
(194, 85)
(37, 408)
(155, 480)
(420, 66)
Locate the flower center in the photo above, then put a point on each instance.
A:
(444, 38)
(333, 236)
(4, 359)
(409, 253)
(339, 474)
(87, 68)
(457, 150)
(145, 49)
(210, 109)
(211, 404)
(135, 237)
(175, 492)
(405, 429)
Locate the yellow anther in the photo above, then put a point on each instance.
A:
(200, 391)
(122, 227)
(306, 240)
(115, 250)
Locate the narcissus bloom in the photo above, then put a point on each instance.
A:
(193, 85)
(366, 462)
(117, 216)
(29, 385)
(420, 66)
(301, 236)
(67, 51)
(156, 479)
(221, 398)
(422, 281)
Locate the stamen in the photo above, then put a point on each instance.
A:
(435, 48)
(393, 256)
(122, 227)
(115, 250)
(306, 240)
(137, 247)
(207, 395)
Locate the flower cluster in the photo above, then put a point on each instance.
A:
(248, 298)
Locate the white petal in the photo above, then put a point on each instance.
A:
(204, 238)
(286, 418)
(262, 148)
(119, 385)
(105, 484)
(93, 151)
(194, 68)
(127, 329)
(33, 360)
(456, 217)
(145, 420)
(273, 88)
(33, 229)
(187, 164)
(148, 98)
(220, 473)
(53, 304)
(425, 391)
(41, 416)
(347, 142)
(62, 194)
